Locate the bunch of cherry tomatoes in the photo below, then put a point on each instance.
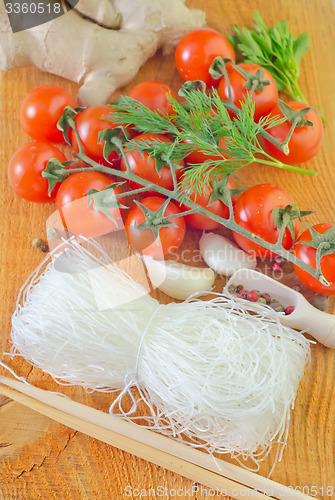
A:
(43, 106)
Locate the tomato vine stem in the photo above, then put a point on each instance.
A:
(175, 194)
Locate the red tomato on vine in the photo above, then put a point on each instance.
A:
(143, 240)
(154, 95)
(26, 167)
(79, 217)
(144, 165)
(253, 211)
(197, 50)
(305, 141)
(217, 207)
(89, 123)
(40, 111)
(307, 254)
(264, 100)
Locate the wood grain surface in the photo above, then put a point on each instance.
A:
(40, 459)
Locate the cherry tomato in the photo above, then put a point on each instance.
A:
(26, 167)
(264, 100)
(197, 50)
(308, 255)
(217, 207)
(144, 165)
(40, 111)
(154, 95)
(89, 123)
(77, 217)
(305, 141)
(253, 211)
(143, 240)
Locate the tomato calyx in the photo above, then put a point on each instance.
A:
(106, 199)
(284, 217)
(253, 82)
(218, 68)
(222, 192)
(55, 171)
(297, 116)
(114, 139)
(66, 122)
(189, 86)
(155, 220)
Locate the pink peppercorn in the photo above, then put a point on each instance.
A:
(276, 267)
(252, 296)
(289, 309)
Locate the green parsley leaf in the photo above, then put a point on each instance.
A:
(276, 50)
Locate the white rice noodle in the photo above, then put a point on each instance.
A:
(216, 372)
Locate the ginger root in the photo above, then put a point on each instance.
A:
(101, 60)
(102, 12)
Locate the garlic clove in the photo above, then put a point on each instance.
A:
(221, 255)
(178, 280)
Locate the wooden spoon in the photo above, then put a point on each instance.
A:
(319, 324)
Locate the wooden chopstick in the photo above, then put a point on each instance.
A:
(168, 453)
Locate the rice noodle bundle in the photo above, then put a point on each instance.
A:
(208, 370)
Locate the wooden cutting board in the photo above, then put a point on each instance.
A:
(40, 459)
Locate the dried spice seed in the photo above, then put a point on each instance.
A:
(289, 309)
(276, 267)
(40, 244)
(36, 242)
(232, 288)
(267, 297)
(252, 296)
(243, 293)
(278, 308)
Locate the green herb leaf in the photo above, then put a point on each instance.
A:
(276, 50)
(301, 46)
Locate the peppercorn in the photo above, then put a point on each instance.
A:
(232, 288)
(243, 293)
(276, 306)
(276, 267)
(40, 244)
(267, 297)
(252, 296)
(289, 309)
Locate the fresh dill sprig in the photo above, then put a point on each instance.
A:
(128, 111)
(276, 50)
(202, 124)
